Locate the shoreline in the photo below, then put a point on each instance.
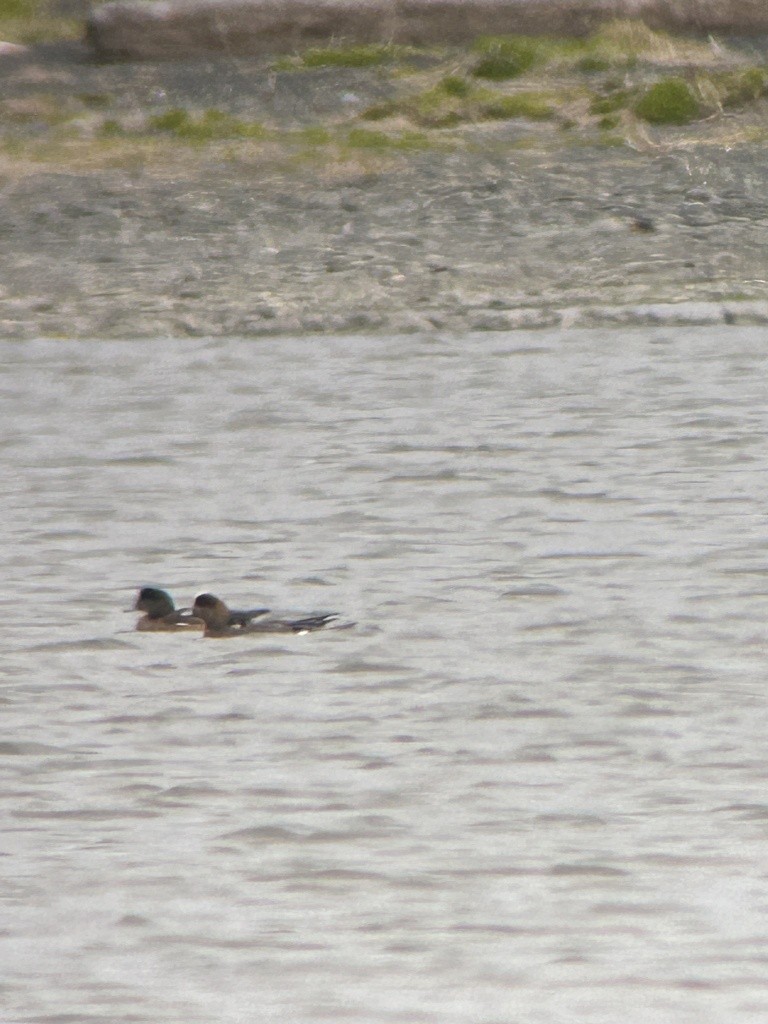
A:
(594, 318)
(230, 198)
(481, 244)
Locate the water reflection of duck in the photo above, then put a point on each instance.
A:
(161, 615)
(221, 621)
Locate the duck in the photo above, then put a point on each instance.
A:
(221, 621)
(162, 616)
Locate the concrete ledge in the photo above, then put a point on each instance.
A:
(173, 29)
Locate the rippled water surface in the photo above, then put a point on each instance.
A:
(530, 786)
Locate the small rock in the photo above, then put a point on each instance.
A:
(643, 224)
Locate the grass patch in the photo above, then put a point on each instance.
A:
(366, 138)
(27, 22)
(677, 101)
(670, 101)
(738, 89)
(624, 42)
(455, 85)
(619, 45)
(610, 141)
(431, 88)
(435, 108)
(505, 57)
(210, 126)
(381, 111)
(43, 29)
(110, 129)
(593, 64)
(446, 104)
(529, 105)
(20, 9)
(609, 122)
(454, 101)
(314, 135)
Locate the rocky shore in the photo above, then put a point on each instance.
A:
(114, 231)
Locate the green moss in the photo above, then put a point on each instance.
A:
(314, 135)
(454, 101)
(669, 101)
(448, 89)
(34, 21)
(365, 138)
(454, 85)
(612, 141)
(20, 9)
(623, 43)
(440, 107)
(619, 44)
(28, 31)
(445, 104)
(740, 88)
(505, 57)
(592, 63)
(435, 108)
(207, 127)
(380, 111)
(523, 104)
(110, 129)
(171, 121)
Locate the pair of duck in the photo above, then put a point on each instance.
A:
(210, 614)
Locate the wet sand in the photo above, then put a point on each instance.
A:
(519, 227)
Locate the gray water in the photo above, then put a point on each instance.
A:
(531, 784)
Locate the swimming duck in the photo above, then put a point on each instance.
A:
(221, 621)
(162, 615)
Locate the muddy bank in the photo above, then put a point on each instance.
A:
(316, 223)
(446, 243)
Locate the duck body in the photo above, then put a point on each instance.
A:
(162, 616)
(221, 621)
